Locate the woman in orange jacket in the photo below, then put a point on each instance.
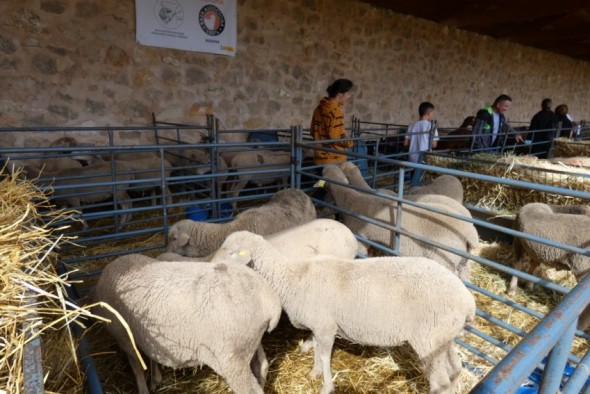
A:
(328, 122)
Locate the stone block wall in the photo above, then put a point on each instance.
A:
(71, 63)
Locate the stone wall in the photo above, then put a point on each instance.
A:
(67, 62)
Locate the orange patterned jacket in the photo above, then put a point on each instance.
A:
(328, 124)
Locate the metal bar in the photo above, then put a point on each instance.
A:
(513, 369)
(556, 362)
(579, 378)
(32, 361)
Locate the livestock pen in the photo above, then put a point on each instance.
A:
(504, 324)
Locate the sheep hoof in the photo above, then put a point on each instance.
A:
(315, 372)
(306, 346)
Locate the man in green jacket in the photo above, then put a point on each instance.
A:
(491, 127)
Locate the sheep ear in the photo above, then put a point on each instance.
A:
(182, 239)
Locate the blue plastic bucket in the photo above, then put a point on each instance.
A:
(200, 213)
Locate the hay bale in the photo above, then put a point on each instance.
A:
(29, 236)
(506, 199)
(566, 147)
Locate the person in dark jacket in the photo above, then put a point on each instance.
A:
(491, 128)
(561, 114)
(542, 129)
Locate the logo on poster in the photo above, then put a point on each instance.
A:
(169, 13)
(211, 20)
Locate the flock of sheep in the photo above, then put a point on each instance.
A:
(220, 286)
(86, 176)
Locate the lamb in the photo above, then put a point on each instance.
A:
(384, 301)
(258, 160)
(190, 315)
(436, 227)
(446, 185)
(286, 208)
(316, 237)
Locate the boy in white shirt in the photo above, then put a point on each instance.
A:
(418, 135)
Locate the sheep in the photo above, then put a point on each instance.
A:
(190, 315)
(85, 177)
(319, 236)
(565, 224)
(446, 185)
(171, 256)
(384, 301)
(436, 227)
(146, 167)
(578, 161)
(258, 160)
(286, 208)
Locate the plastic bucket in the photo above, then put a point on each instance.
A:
(200, 213)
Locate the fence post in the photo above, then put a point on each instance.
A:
(296, 155)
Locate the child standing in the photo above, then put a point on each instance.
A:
(418, 136)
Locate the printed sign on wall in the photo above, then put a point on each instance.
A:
(192, 25)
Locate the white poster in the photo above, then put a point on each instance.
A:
(192, 25)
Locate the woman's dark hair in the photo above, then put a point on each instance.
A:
(561, 110)
(339, 86)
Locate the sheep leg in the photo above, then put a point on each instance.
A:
(125, 203)
(436, 367)
(139, 375)
(240, 378)
(323, 349)
(317, 362)
(167, 195)
(514, 280)
(454, 367)
(259, 366)
(307, 345)
(234, 190)
(155, 375)
(533, 266)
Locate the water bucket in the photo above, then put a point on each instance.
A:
(200, 213)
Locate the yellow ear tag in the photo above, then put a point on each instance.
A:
(242, 253)
(319, 183)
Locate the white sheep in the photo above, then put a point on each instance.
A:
(171, 256)
(566, 224)
(258, 160)
(316, 237)
(88, 192)
(190, 315)
(578, 161)
(148, 169)
(386, 301)
(446, 185)
(436, 227)
(286, 208)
